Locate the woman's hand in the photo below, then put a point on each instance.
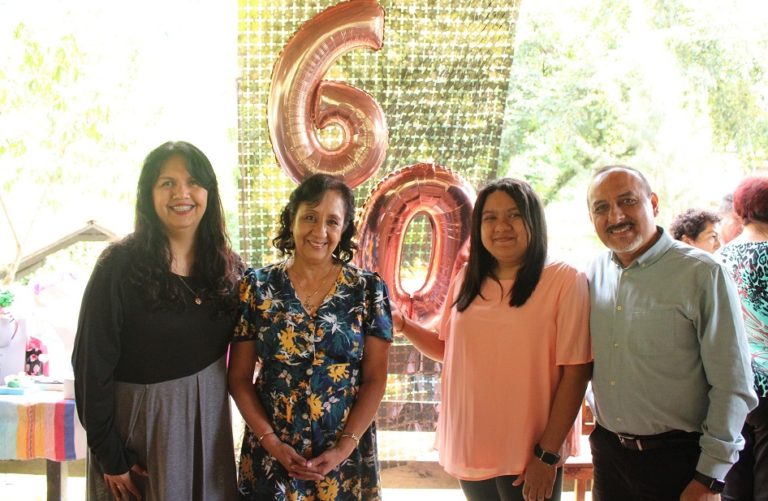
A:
(294, 463)
(539, 480)
(398, 321)
(122, 485)
(332, 458)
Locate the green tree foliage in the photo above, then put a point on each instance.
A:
(670, 86)
(722, 48)
(53, 121)
(564, 109)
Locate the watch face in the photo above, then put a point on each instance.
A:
(549, 458)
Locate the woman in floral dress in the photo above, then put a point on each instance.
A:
(318, 331)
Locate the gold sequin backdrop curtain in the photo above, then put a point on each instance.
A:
(441, 77)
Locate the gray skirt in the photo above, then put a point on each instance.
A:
(182, 432)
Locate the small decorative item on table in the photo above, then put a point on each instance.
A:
(17, 384)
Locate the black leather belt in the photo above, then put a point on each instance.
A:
(674, 438)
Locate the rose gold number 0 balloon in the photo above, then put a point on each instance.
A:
(300, 101)
(447, 200)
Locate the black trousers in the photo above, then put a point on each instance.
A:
(501, 488)
(748, 479)
(627, 475)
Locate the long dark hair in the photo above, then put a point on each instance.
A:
(311, 191)
(481, 263)
(216, 265)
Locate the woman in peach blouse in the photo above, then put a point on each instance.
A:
(514, 341)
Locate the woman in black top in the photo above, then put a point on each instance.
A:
(150, 350)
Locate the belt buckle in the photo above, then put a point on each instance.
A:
(630, 442)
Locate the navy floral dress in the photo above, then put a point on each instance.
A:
(309, 377)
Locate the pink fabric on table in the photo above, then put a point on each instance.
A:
(501, 371)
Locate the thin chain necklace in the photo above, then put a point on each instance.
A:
(198, 301)
(306, 302)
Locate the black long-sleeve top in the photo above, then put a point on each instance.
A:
(120, 337)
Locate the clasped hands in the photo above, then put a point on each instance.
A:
(302, 468)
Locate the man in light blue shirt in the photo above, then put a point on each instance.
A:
(672, 378)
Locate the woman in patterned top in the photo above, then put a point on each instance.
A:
(746, 257)
(318, 330)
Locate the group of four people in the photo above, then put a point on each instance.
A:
(307, 366)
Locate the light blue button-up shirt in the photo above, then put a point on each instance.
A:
(670, 349)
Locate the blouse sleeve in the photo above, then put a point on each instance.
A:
(94, 358)
(573, 339)
(448, 308)
(252, 306)
(378, 320)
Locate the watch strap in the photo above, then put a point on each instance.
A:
(712, 484)
(550, 458)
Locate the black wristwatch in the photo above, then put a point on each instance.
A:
(712, 484)
(545, 457)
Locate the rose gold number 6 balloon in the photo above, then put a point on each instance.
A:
(299, 100)
(447, 200)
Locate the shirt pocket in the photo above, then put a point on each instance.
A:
(660, 332)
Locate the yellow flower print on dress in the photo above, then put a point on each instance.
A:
(319, 359)
(315, 407)
(287, 405)
(288, 341)
(337, 372)
(328, 489)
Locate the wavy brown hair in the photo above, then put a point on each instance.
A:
(216, 264)
(311, 191)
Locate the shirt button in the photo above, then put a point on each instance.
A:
(618, 419)
(309, 392)
(618, 307)
(309, 372)
(613, 383)
(615, 345)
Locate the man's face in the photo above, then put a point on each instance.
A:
(622, 211)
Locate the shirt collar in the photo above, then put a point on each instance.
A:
(653, 254)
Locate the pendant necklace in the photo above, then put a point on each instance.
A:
(198, 301)
(306, 303)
